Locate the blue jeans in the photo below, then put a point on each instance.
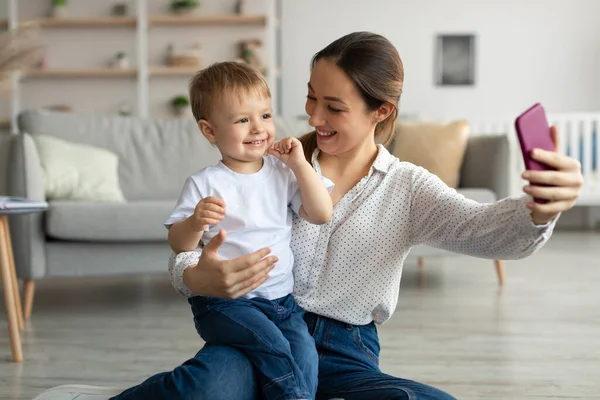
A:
(271, 333)
(348, 369)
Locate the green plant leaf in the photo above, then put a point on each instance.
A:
(181, 4)
(180, 101)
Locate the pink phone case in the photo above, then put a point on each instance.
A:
(533, 132)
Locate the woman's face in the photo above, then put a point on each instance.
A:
(337, 111)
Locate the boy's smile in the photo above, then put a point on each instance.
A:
(241, 126)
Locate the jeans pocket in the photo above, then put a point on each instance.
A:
(368, 341)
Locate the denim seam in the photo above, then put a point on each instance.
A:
(364, 348)
(276, 380)
(326, 335)
(292, 395)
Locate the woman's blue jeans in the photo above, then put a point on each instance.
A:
(348, 369)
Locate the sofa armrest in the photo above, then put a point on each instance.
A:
(486, 164)
(25, 179)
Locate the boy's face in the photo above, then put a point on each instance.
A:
(241, 127)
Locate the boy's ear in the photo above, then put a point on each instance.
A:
(207, 130)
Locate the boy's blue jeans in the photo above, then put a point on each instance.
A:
(348, 369)
(271, 333)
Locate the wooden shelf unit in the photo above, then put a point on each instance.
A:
(139, 25)
(81, 22)
(81, 73)
(168, 20)
(153, 20)
(172, 71)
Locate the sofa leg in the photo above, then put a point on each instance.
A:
(421, 262)
(500, 271)
(28, 292)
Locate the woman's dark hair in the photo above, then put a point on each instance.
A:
(375, 67)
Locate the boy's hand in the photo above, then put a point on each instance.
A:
(209, 211)
(289, 151)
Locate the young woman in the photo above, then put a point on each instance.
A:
(347, 272)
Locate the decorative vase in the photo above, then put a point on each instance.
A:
(43, 62)
(59, 12)
(125, 109)
(240, 7)
(120, 61)
(179, 110)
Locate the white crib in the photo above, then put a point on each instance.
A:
(579, 138)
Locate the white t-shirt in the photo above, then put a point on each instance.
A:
(258, 214)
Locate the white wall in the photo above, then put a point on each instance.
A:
(527, 51)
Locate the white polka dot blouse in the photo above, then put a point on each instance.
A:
(350, 268)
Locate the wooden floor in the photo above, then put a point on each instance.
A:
(537, 338)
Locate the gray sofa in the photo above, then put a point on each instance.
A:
(155, 156)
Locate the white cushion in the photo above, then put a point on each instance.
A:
(74, 171)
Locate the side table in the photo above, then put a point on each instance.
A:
(10, 287)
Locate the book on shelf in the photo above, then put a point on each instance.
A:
(20, 203)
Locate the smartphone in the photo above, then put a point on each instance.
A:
(533, 132)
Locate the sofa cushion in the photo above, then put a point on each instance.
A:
(155, 155)
(439, 148)
(128, 222)
(74, 171)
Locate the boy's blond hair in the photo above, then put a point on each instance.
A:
(222, 79)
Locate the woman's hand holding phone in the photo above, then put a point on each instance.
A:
(559, 185)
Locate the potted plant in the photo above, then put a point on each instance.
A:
(184, 6)
(59, 8)
(120, 60)
(125, 109)
(119, 9)
(180, 104)
(20, 50)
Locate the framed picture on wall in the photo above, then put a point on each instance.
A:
(455, 60)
